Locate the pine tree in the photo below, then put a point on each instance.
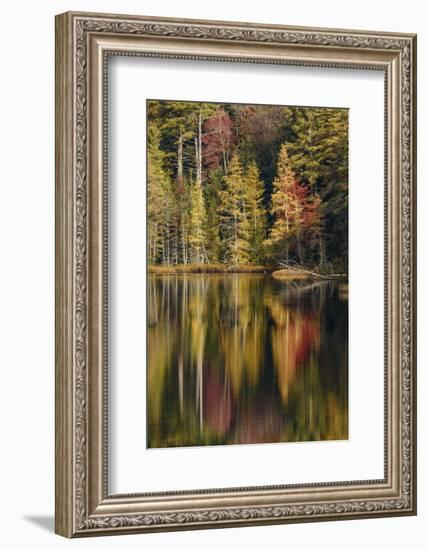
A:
(254, 190)
(226, 213)
(234, 222)
(159, 202)
(183, 202)
(334, 190)
(211, 190)
(197, 233)
(290, 208)
(319, 154)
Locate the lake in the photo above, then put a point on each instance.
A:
(245, 358)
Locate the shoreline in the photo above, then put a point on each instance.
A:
(279, 274)
(207, 268)
(300, 275)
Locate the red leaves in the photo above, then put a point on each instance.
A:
(295, 209)
(218, 139)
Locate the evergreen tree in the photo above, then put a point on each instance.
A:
(197, 233)
(183, 202)
(291, 210)
(258, 170)
(254, 190)
(318, 150)
(234, 222)
(211, 193)
(159, 201)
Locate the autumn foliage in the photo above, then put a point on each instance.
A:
(247, 184)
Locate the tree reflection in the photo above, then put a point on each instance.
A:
(241, 358)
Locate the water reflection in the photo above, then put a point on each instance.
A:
(240, 358)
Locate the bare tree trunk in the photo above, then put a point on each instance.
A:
(184, 250)
(320, 275)
(287, 244)
(299, 248)
(168, 246)
(180, 172)
(176, 249)
(199, 164)
(163, 250)
(198, 149)
(196, 146)
(224, 159)
(322, 258)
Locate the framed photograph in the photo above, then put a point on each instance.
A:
(235, 274)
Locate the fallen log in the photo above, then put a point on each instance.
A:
(313, 273)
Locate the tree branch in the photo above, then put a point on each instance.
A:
(321, 276)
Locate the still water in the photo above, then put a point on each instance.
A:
(245, 358)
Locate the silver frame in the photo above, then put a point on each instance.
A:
(83, 43)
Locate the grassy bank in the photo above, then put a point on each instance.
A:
(207, 268)
(286, 274)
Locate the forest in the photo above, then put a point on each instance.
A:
(242, 187)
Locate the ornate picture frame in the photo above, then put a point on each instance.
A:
(84, 42)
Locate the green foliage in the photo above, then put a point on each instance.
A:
(212, 190)
(247, 184)
(288, 209)
(197, 233)
(318, 149)
(159, 203)
(234, 223)
(256, 213)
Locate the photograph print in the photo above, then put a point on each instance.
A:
(247, 273)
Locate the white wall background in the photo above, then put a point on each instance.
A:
(27, 274)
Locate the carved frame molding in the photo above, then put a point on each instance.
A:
(83, 43)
